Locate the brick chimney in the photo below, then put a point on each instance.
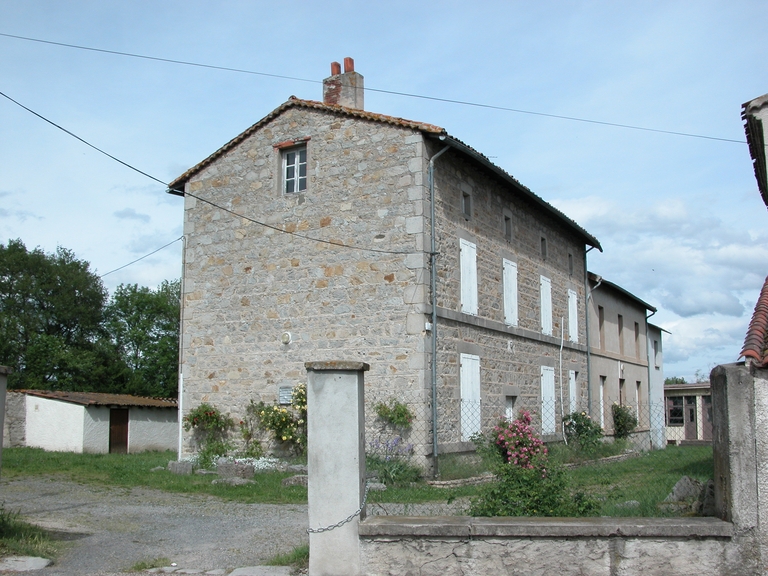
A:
(344, 89)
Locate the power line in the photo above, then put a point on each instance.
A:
(303, 236)
(142, 258)
(382, 91)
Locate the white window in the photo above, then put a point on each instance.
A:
(546, 305)
(295, 170)
(547, 400)
(468, 277)
(510, 292)
(469, 379)
(573, 316)
(572, 390)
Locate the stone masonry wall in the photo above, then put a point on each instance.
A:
(246, 284)
(508, 355)
(14, 425)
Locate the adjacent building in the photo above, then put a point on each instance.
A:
(90, 422)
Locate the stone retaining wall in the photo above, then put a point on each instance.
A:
(448, 546)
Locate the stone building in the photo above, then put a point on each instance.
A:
(321, 233)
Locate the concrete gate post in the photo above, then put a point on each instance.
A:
(336, 465)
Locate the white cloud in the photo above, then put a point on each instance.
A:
(131, 214)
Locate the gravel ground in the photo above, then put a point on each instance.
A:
(108, 530)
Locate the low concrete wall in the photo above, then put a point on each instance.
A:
(448, 546)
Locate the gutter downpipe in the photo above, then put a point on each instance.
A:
(586, 327)
(181, 346)
(433, 282)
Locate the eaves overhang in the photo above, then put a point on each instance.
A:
(603, 282)
(460, 146)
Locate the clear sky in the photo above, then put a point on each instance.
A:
(680, 219)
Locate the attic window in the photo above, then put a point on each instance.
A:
(543, 248)
(507, 226)
(295, 169)
(466, 205)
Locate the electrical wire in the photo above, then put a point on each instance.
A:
(276, 228)
(142, 258)
(382, 91)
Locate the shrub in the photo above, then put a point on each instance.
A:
(527, 484)
(211, 428)
(288, 426)
(624, 421)
(248, 431)
(582, 431)
(390, 460)
(517, 441)
(395, 413)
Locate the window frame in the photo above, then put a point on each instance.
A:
(296, 178)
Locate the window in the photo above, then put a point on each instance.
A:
(295, 170)
(468, 258)
(545, 288)
(656, 353)
(509, 408)
(572, 390)
(637, 340)
(548, 407)
(622, 392)
(466, 205)
(570, 264)
(675, 416)
(543, 248)
(601, 325)
(469, 381)
(621, 334)
(510, 292)
(601, 405)
(573, 316)
(508, 227)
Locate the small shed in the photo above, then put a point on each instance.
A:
(90, 422)
(688, 413)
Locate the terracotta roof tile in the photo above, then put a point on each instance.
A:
(102, 399)
(756, 342)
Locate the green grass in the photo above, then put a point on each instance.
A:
(457, 466)
(18, 538)
(646, 479)
(130, 470)
(148, 564)
(298, 558)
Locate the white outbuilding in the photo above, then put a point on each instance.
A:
(89, 422)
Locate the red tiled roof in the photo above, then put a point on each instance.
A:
(102, 399)
(756, 342)
(294, 102)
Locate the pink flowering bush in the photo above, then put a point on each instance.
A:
(518, 442)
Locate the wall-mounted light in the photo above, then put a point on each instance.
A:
(286, 338)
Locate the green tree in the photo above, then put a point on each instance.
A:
(51, 313)
(144, 326)
(674, 380)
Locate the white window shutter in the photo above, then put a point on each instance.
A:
(572, 391)
(573, 316)
(546, 305)
(469, 381)
(510, 292)
(548, 406)
(468, 277)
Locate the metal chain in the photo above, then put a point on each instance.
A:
(347, 519)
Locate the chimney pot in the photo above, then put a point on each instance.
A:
(336, 68)
(349, 65)
(344, 89)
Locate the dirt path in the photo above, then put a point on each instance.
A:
(108, 530)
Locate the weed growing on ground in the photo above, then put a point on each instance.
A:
(149, 564)
(298, 558)
(23, 539)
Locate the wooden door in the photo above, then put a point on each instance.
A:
(118, 431)
(691, 431)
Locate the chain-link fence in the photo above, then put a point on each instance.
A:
(641, 452)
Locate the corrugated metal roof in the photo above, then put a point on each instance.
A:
(102, 399)
(176, 187)
(756, 341)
